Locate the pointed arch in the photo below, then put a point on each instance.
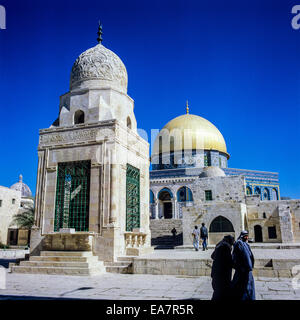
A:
(266, 194)
(165, 194)
(184, 194)
(257, 190)
(221, 224)
(274, 194)
(248, 191)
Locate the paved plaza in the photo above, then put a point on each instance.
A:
(131, 287)
(111, 286)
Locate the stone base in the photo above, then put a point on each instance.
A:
(66, 230)
(138, 251)
(67, 242)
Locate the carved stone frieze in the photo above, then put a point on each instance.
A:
(68, 136)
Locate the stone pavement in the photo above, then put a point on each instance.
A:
(131, 287)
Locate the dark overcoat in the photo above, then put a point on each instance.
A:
(221, 271)
(243, 287)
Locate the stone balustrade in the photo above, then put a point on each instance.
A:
(135, 242)
(135, 239)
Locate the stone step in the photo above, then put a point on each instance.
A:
(52, 270)
(67, 253)
(59, 258)
(126, 258)
(118, 269)
(81, 263)
(54, 264)
(117, 263)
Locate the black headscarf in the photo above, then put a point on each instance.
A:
(243, 233)
(229, 239)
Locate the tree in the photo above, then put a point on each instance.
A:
(24, 219)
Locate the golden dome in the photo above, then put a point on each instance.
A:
(192, 132)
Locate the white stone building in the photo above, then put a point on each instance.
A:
(14, 200)
(93, 167)
(190, 183)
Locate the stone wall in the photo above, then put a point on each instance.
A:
(225, 189)
(283, 214)
(228, 196)
(8, 209)
(163, 227)
(206, 213)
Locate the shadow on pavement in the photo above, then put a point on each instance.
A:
(4, 262)
(8, 297)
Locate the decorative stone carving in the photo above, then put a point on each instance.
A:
(68, 137)
(99, 63)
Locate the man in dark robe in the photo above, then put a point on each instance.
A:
(243, 262)
(222, 269)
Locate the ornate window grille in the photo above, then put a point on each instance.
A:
(72, 196)
(132, 198)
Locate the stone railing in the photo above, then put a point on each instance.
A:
(135, 243)
(135, 239)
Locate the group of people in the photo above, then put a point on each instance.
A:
(241, 287)
(228, 255)
(200, 234)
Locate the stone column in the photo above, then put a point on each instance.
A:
(94, 214)
(174, 211)
(285, 221)
(39, 189)
(156, 209)
(114, 193)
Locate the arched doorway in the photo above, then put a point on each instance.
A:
(221, 224)
(219, 228)
(258, 237)
(165, 200)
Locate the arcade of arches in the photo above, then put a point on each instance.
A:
(167, 206)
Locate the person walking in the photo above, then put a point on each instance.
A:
(204, 236)
(221, 271)
(174, 231)
(243, 286)
(196, 235)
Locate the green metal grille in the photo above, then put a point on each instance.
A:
(72, 195)
(132, 198)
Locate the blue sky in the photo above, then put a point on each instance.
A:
(237, 62)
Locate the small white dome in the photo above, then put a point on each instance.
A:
(209, 172)
(99, 67)
(21, 186)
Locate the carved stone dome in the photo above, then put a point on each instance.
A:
(99, 67)
(209, 172)
(23, 187)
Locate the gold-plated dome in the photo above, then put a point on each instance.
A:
(192, 132)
